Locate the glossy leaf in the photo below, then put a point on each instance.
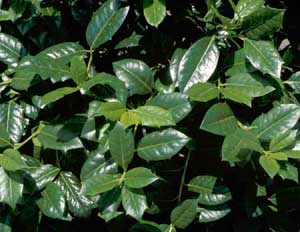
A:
(184, 214)
(154, 11)
(139, 177)
(105, 23)
(264, 57)
(219, 119)
(198, 63)
(134, 202)
(276, 121)
(245, 8)
(270, 165)
(11, 160)
(283, 140)
(294, 82)
(136, 75)
(4, 137)
(176, 103)
(131, 41)
(210, 215)
(174, 64)
(57, 94)
(10, 49)
(12, 118)
(219, 196)
(11, 188)
(236, 95)
(121, 145)
(78, 204)
(202, 184)
(100, 183)
(161, 145)
(203, 92)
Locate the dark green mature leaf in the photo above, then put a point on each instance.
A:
(131, 41)
(210, 215)
(219, 120)
(11, 187)
(78, 70)
(105, 23)
(289, 172)
(12, 118)
(174, 64)
(176, 103)
(263, 22)
(22, 80)
(57, 94)
(10, 49)
(283, 140)
(154, 11)
(78, 204)
(263, 56)
(139, 177)
(249, 84)
(198, 63)
(4, 137)
(236, 95)
(235, 143)
(97, 164)
(245, 8)
(100, 183)
(219, 196)
(184, 214)
(6, 223)
(134, 202)
(203, 92)
(161, 145)
(294, 82)
(63, 52)
(107, 79)
(202, 184)
(136, 75)
(269, 164)
(278, 120)
(121, 145)
(58, 137)
(53, 203)
(11, 160)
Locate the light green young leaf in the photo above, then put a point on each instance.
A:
(270, 165)
(139, 177)
(203, 92)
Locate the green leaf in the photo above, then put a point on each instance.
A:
(203, 92)
(131, 41)
(198, 63)
(219, 196)
(78, 70)
(202, 184)
(6, 223)
(240, 64)
(174, 64)
(294, 82)
(42, 174)
(162, 145)
(219, 120)
(4, 137)
(10, 49)
(11, 160)
(176, 103)
(270, 165)
(249, 84)
(153, 116)
(77, 203)
(136, 75)
(63, 52)
(50, 137)
(283, 140)
(262, 23)
(52, 204)
(154, 11)
(12, 118)
(134, 202)
(112, 110)
(129, 118)
(289, 172)
(121, 145)
(264, 57)
(277, 121)
(184, 214)
(57, 94)
(278, 156)
(107, 79)
(97, 164)
(213, 214)
(245, 8)
(139, 177)
(11, 188)
(100, 183)
(235, 143)
(22, 80)
(236, 95)
(105, 22)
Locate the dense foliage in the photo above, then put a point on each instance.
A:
(148, 115)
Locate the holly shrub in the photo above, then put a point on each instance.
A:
(148, 115)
